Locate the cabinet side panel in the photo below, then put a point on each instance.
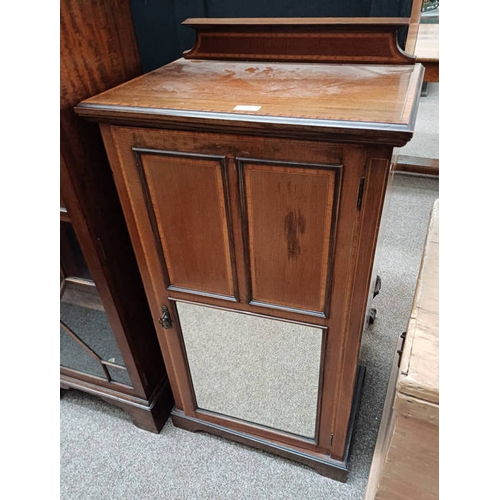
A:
(370, 210)
(289, 217)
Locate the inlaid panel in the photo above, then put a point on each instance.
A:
(186, 196)
(289, 213)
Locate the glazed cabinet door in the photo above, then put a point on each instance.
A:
(246, 247)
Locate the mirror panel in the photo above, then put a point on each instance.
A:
(257, 369)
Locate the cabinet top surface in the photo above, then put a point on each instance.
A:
(314, 91)
(368, 96)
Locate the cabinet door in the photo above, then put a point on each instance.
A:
(249, 245)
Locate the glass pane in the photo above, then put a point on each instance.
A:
(84, 295)
(119, 375)
(74, 356)
(82, 311)
(257, 369)
(92, 326)
(72, 259)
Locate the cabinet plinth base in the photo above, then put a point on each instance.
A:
(149, 415)
(323, 464)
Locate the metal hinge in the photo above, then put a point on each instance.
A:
(361, 191)
(165, 320)
(400, 351)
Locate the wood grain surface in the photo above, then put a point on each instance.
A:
(412, 462)
(406, 460)
(417, 165)
(427, 50)
(419, 376)
(193, 233)
(292, 159)
(97, 52)
(288, 214)
(342, 98)
(355, 237)
(331, 40)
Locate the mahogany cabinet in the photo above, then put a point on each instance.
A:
(108, 344)
(252, 174)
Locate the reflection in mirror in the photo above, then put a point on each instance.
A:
(257, 369)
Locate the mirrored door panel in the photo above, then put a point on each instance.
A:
(257, 369)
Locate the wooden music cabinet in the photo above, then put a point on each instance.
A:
(108, 344)
(252, 174)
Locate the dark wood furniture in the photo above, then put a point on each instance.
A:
(253, 192)
(108, 342)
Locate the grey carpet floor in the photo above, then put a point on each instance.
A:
(104, 456)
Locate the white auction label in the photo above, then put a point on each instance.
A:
(240, 107)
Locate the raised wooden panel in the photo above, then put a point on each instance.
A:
(289, 216)
(186, 196)
(340, 40)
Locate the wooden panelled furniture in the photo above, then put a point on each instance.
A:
(252, 174)
(405, 464)
(108, 343)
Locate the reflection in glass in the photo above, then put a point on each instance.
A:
(257, 369)
(72, 259)
(92, 327)
(119, 374)
(83, 314)
(86, 338)
(74, 355)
